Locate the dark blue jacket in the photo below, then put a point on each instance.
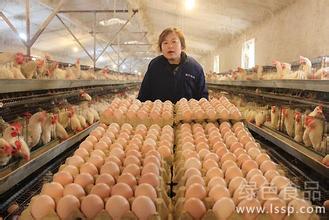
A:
(163, 82)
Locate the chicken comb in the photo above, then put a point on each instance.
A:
(321, 107)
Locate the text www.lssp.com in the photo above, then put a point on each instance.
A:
(281, 210)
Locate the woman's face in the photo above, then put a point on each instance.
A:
(171, 48)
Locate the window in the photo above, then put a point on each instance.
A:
(248, 54)
(216, 64)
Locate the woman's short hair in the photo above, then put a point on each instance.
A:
(168, 31)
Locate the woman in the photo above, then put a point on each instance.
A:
(173, 75)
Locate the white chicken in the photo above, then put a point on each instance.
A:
(27, 69)
(289, 120)
(58, 131)
(34, 128)
(260, 117)
(275, 116)
(6, 151)
(12, 135)
(47, 128)
(314, 128)
(74, 121)
(298, 127)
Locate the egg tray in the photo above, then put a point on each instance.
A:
(163, 212)
(205, 119)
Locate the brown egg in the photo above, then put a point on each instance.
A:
(208, 164)
(236, 183)
(84, 179)
(101, 145)
(128, 178)
(105, 178)
(117, 206)
(41, 206)
(242, 193)
(110, 135)
(235, 146)
(194, 207)
(231, 140)
(91, 205)
(116, 145)
(275, 204)
(248, 165)
(73, 170)
(228, 156)
(262, 157)
(122, 189)
(254, 152)
(118, 153)
(89, 168)
(98, 152)
(253, 172)
(267, 165)
(259, 180)
(216, 181)
(102, 190)
(97, 160)
(146, 189)
(110, 168)
(151, 168)
(219, 144)
(212, 156)
(270, 174)
(227, 164)
(131, 160)
(242, 158)
(154, 153)
(280, 182)
(82, 152)
(214, 172)
(218, 191)
(67, 205)
(232, 172)
(192, 171)
(63, 178)
(203, 152)
(114, 159)
(143, 207)
(194, 179)
(188, 145)
(250, 144)
(92, 139)
(96, 133)
(103, 126)
(133, 169)
(74, 189)
(151, 159)
(135, 153)
(53, 189)
(221, 151)
(196, 190)
(192, 162)
(223, 208)
(151, 179)
(251, 204)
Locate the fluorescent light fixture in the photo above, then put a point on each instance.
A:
(135, 71)
(22, 35)
(75, 49)
(112, 21)
(189, 4)
(133, 42)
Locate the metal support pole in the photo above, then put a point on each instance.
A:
(77, 40)
(94, 34)
(46, 22)
(115, 35)
(12, 27)
(28, 28)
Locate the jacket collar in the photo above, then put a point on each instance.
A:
(184, 59)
